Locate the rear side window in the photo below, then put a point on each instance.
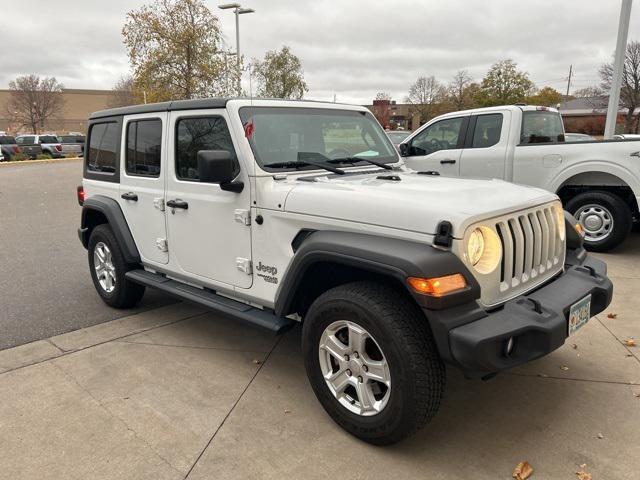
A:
(103, 147)
(26, 140)
(541, 127)
(144, 140)
(202, 133)
(48, 139)
(487, 131)
(7, 140)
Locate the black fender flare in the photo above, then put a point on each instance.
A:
(396, 258)
(115, 218)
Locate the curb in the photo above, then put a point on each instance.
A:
(57, 346)
(47, 160)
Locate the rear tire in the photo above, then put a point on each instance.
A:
(397, 341)
(606, 218)
(108, 269)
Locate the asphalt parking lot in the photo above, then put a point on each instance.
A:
(176, 392)
(45, 282)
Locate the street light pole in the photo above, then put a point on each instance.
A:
(238, 10)
(618, 67)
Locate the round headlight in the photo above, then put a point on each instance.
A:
(484, 250)
(475, 246)
(559, 212)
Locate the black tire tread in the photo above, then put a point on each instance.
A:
(623, 218)
(410, 328)
(127, 294)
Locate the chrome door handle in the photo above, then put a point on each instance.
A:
(635, 154)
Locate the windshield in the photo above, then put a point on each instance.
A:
(398, 137)
(278, 135)
(541, 127)
(6, 140)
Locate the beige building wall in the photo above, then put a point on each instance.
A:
(78, 105)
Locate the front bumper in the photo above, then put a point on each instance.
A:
(537, 321)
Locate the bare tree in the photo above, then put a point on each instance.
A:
(630, 90)
(383, 96)
(34, 100)
(122, 93)
(426, 95)
(587, 92)
(459, 92)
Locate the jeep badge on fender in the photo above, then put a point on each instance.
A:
(356, 248)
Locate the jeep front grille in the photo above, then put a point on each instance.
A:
(533, 250)
(531, 246)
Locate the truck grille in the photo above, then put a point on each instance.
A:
(532, 248)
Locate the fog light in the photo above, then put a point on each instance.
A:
(508, 348)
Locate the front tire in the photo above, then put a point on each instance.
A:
(108, 269)
(372, 361)
(605, 217)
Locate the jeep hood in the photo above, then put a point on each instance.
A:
(412, 201)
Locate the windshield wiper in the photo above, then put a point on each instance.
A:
(305, 163)
(360, 159)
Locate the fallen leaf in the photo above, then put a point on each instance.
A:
(630, 342)
(583, 474)
(522, 471)
(564, 367)
(612, 315)
(574, 346)
(287, 411)
(600, 436)
(637, 395)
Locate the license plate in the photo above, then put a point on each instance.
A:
(579, 314)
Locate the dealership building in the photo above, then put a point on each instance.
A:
(78, 104)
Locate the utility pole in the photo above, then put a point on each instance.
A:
(569, 80)
(238, 10)
(618, 65)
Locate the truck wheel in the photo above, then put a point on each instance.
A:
(108, 268)
(372, 361)
(606, 219)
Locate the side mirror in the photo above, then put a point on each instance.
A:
(404, 149)
(217, 166)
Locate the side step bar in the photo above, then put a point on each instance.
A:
(219, 304)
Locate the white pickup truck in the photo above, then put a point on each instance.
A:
(598, 181)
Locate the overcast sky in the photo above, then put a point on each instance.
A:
(352, 49)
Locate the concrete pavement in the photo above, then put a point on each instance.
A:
(178, 393)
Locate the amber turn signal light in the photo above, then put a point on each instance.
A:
(579, 229)
(439, 286)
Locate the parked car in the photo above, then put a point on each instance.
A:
(627, 136)
(599, 182)
(9, 147)
(72, 145)
(578, 137)
(397, 136)
(277, 213)
(48, 144)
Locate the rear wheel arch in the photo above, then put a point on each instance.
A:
(591, 181)
(100, 209)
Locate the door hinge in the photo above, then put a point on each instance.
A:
(159, 203)
(244, 265)
(162, 244)
(242, 216)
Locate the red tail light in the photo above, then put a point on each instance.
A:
(81, 195)
(16, 149)
(59, 148)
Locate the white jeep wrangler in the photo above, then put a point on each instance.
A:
(277, 212)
